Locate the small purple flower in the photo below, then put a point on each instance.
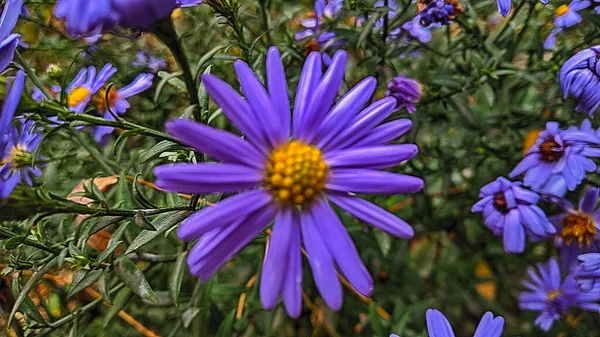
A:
(85, 85)
(16, 143)
(438, 12)
(504, 6)
(512, 212)
(406, 91)
(558, 161)
(117, 102)
(289, 170)
(146, 60)
(438, 325)
(566, 16)
(9, 42)
(85, 18)
(577, 228)
(588, 272)
(416, 29)
(552, 296)
(580, 78)
(318, 38)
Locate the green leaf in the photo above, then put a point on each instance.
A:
(384, 241)
(139, 196)
(226, 327)
(162, 223)
(188, 316)
(157, 150)
(82, 280)
(104, 286)
(177, 278)
(121, 299)
(113, 243)
(123, 193)
(133, 278)
(14, 242)
(141, 221)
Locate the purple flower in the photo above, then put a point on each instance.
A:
(117, 102)
(85, 18)
(146, 60)
(580, 78)
(558, 160)
(438, 325)
(8, 41)
(504, 6)
(416, 29)
(512, 212)
(16, 143)
(318, 38)
(577, 228)
(588, 272)
(86, 84)
(438, 12)
(406, 91)
(552, 296)
(566, 16)
(290, 170)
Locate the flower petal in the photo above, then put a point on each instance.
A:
(372, 157)
(292, 288)
(386, 133)
(311, 75)
(278, 89)
(372, 182)
(438, 325)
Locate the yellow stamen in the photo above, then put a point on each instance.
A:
(562, 10)
(553, 295)
(78, 95)
(18, 156)
(579, 227)
(296, 173)
(100, 99)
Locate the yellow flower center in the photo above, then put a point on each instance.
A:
(562, 10)
(78, 95)
(18, 156)
(100, 99)
(553, 295)
(578, 227)
(296, 173)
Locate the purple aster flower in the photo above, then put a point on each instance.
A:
(580, 78)
(16, 143)
(416, 29)
(558, 160)
(438, 325)
(438, 12)
(318, 38)
(566, 16)
(512, 212)
(146, 60)
(8, 41)
(117, 102)
(505, 5)
(406, 91)
(85, 18)
(289, 171)
(588, 272)
(577, 228)
(86, 84)
(552, 296)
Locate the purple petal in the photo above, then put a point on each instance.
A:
(589, 200)
(292, 288)
(372, 214)
(514, 233)
(438, 325)
(372, 182)
(278, 89)
(373, 157)
(216, 143)
(311, 75)
(10, 15)
(386, 133)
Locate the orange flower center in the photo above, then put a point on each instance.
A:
(100, 99)
(78, 95)
(579, 227)
(550, 150)
(296, 173)
(562, 10)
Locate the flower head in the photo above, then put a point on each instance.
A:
(86, 84)
(85, 18)
(8, 41)
(566, 16)
(17, 143)
(551, 295)
(318, 38)
(116, 101)
(438, 325)
(290, 171)
(149, 61)
(439, 12)
(406, 91)
(511, 211)
(558, 160)
(580, 78)
(417, 30)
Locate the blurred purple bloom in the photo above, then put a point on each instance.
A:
(146, 60)
(117, 102)
(16, 143)
(85, 17)
(417, 30)
(566, 16)
(406, 91)
(86, 84)
(439, 12)
(552, 296)
(559, 160)
(9, 42)
(338, 149)
(504, 6)
(512, 212)
(588, 273)
(438, 325)
(580, 78)
(319, 39)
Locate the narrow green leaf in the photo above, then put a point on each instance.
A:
(177, 278)
(23, 296)
(139, 196)
(104, 286)
(113, 243)
(14, 242)
(157, 150)
(226, 327)
(123, 193)
(141, 221)
(162, 223)
(82, 280)
(133, 278)
(121, 299)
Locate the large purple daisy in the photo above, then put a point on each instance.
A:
(288, 170)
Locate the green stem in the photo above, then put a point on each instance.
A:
(7, 234)
(94, 152)
(32, 74)
(265, 20)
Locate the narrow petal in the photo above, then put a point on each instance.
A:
(372, 157)
(342, 248)
(321, 263)
(218, 144)
(490, 326)
(278, 89)
(372, 182)
(589, 200)
(514, 233)
(386, 133)
(223, 213)
(276, 259)
(10, 15)
(311, 75)
(438, 325)
(372, 214)
(206, 178)
(292, 288)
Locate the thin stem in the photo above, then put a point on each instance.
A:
(265, 20)
(31, 73)
(94, 152)
(509, 20)
(7, 234)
